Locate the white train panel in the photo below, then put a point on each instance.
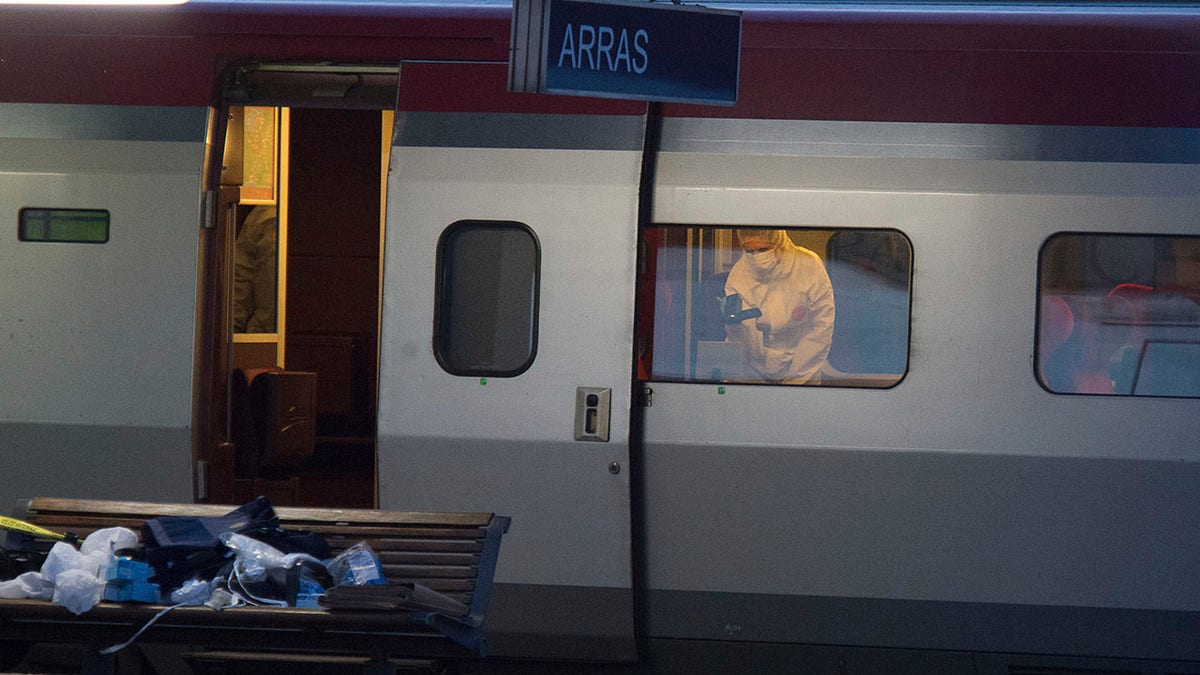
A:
(509, 442)
(100, 336)
(967, 482)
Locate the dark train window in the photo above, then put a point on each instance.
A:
(485, 321)
(800, 306)
(71, 226)
(1119, 315)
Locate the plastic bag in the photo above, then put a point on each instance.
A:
(77, 575)
(27, 585)
(265, 575)
(357, 566)
(256, 559)
(105, 542)
(192, 592)
(64, 557)
(78, 590)
(98, 547)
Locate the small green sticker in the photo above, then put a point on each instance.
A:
(483, 381)
(720, 391)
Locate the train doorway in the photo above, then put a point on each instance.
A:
(290, 292)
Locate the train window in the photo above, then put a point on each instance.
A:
(485, 321)
(778, 306)
(1119, 315)
(71, 226)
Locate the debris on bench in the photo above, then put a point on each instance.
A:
(433, 569)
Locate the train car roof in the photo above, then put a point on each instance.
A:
(1127, 64)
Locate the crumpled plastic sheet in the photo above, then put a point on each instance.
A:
(72, 577)
(27, 585)
(78, 590)
(108, 540)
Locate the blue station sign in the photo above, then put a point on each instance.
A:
(656, 51)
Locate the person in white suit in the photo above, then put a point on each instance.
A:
(790, 341)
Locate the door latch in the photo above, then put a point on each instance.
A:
(592, 413)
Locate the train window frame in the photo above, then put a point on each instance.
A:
(695, 333)
(32, 231)
(450, 300)
(1074, 327)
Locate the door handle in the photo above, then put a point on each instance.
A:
(592, 413)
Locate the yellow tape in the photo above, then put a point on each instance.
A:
(29, 528)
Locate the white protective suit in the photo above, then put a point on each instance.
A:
(790, 341)
(255, 272)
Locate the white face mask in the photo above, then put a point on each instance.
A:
(763, 263)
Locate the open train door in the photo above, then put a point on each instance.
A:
(506, 343)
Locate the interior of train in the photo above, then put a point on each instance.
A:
(1119, 315)
(298, 252)
(688, 300)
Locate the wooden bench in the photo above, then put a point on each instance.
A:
(453, 553)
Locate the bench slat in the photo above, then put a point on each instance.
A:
(298, 515)
(380, 538)
(394, 531)
(426, 558)
(392, 543)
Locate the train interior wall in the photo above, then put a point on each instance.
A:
(329, 205)
(333, 294)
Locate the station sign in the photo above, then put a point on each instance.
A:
(655, 51)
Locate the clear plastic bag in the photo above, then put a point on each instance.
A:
(255, 560)
(192, 592)
(260, 571)
(357, 566)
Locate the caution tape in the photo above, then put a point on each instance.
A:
(29, 528)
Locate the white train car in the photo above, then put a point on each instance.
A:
(514, 303)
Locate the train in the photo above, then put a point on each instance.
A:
(492, 300)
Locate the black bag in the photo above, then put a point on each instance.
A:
(182, 547)
(21, 553)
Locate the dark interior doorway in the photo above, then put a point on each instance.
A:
(333, 258)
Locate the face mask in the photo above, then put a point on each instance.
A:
(764, 262)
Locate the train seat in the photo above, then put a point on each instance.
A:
(274, 428)
(1105, 344)
(1056, 325)
(1164, 324)
(1075, 342)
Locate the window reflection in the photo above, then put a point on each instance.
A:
(487, 298)
(1120, 315)
(781, 306)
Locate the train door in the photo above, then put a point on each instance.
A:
(292, 266)
(97, 305)
(506, 345)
